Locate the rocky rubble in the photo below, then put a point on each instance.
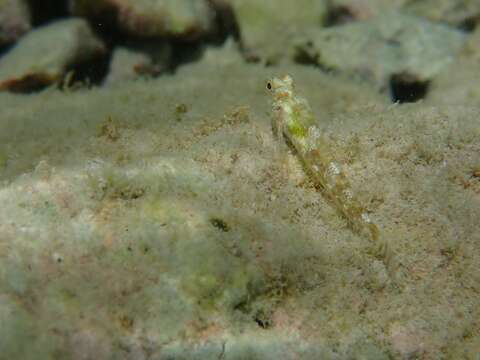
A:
(168, 18)
(458, 13)
(45, 55)
(388, 44)
(14, 20)
(377, 49)
(267, 28)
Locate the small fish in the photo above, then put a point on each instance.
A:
(293, 119)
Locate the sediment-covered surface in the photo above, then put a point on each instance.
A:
(159, 218)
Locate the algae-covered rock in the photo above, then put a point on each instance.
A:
(18, 329)
(267, 27)
(249, 345)
(471, 50)
(124, 65)
(14, 20)
(157, 240)
(172, 18)
(127, 64)
(384, 46)
(458, 84)
(45, 54)
(461, 13)
(361, 9)
(163, 219)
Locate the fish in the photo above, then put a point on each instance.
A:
(294, 122)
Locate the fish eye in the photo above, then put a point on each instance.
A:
(269, 85)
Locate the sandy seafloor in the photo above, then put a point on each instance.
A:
(160, 219)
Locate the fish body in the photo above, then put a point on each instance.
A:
(293, 120)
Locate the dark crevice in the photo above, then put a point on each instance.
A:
(226, 24)
(104, 23)
(91, 71)
(262, 322)
(47, 10)
(469, 25)
(183, 50)
(306, 54)
(5, 48)
(184, 53)
(339, 15)
(227, 27)
(406, 87)
(220, 224)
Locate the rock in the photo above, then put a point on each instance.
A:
(44, 55)
(458, 84)
(18, 328)
(267, 27)
(171, 18)
(162, 219)
(226, 55)
(360, 9)
(14, 20)
(129, 64)
(461, 13)
(408, 340)
(126, 64)
(248, 345)
(471, 49)
(376, 50)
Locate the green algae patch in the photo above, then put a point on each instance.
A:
(213, 274)
(212, 288)
(20, 329)
(114, 184)
(301, 120)
(158, 209)
(298, 130)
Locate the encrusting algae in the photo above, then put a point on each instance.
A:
(293, 119)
